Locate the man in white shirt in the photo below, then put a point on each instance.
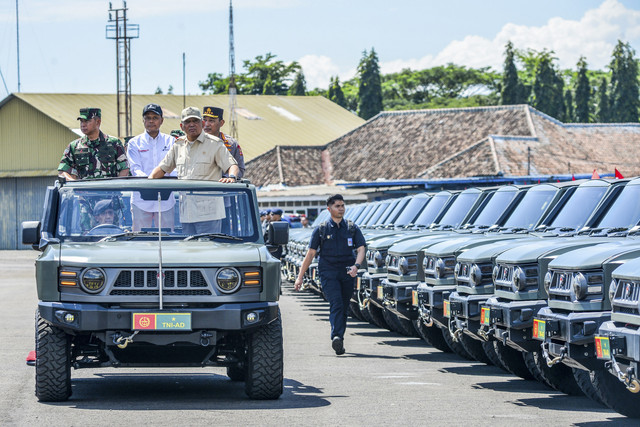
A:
(144, 153)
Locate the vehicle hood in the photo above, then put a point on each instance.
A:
(452, 246)
(487, 251)
(593, 256)
(532, 251)
(145, 253)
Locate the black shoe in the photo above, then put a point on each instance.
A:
(337, 345)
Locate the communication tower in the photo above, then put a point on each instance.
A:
(122, 32)
(232, 77)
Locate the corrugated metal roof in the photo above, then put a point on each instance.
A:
(283, 120)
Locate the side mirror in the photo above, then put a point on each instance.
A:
(30, 232)
(278, 233)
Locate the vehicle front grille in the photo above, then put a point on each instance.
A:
(561, 285)
(140, 279)
(167, 292)
(503, 277)
(626, 298)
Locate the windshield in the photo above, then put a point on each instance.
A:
(430, 213)
(411, 211)
(322, 217)
(530, 210)
(459, 209)
(373, 219)
(625, 211)
(88, 215)
(398, 208)
(365, 213)
(495, 208)
(579, 207)
(353, 211)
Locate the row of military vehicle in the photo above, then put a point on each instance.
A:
(542, 281)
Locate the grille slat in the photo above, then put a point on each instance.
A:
(145, 282)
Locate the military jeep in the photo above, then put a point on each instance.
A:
(114, 295)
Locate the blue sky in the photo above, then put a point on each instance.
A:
(63, 47)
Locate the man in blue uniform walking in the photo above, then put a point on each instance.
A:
(341, 246)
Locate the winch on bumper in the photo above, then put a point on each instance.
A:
(370, 285)
(510, 322)
(464, 313)
(619, 347)
(430, 301)
(569, 338)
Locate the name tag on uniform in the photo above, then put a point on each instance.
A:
(350, 241)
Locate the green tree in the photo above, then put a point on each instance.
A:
(511, 89)
(603, 112)
(299, 85)
(625, 92)
(335, 92)
(583, 93)
(569, 115)
(265, 75)
(158, 91)
(370, 86)
(547, 86)
(170, 90)
(214, 84)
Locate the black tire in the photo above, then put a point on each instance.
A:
(236, 373)
(474, 348)
(615, 395)
(392, 321)
(407, 327)
(53, 362)
(365, 314)
(583, 378)
(375, 313)
(456, 346)
(354, 310)
(513, 360)
(531, 362)
(265, 355)
(432, 335)
(490, 352)
(559, 376)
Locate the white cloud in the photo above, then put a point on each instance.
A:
(593, 36)
(318, 70)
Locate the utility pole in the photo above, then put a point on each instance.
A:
(18, 43)
(122, 33)
(232, 77)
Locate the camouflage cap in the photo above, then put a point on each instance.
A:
(89, 113)
(191, 112)
(214, 112)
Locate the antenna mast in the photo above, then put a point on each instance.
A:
(232, 77)
(17, 44)
(122, 33)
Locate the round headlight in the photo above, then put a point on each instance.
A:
(377, 258)
(456, 270)
(579, 286)
(547, 282)
(518, 280)
(475, 275)
(439, 268)
(612, 289)
(403, 265)
(228, 280)
(92, 280)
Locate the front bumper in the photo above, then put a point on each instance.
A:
(371, 285)
(511, 322)
(569, 337)
(465, 313)
(398, 297)
(98, 318)
(431, 303)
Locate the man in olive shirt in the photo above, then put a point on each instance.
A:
(198, 155)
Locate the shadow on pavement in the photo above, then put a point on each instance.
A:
(181, 392)
(434, 355)
(563, 402)
(515, 385)
(473, 368)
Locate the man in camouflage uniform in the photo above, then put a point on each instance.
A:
(212, 122)
(95, 155)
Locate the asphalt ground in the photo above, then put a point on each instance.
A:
(382, 379)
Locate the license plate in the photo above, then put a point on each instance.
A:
(446, 308)
(380, 293)
(414, 298)
(358, 283)
(603, 348)
(161, 321)
(539, 329)
(484, 316)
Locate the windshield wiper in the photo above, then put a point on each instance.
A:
(212, 236)
(613, 230)
(131, 234)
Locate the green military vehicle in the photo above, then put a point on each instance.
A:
(113, 296)
(618, 343)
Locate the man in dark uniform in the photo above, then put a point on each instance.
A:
(212, 122)
(95, 155)
(341, 247)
